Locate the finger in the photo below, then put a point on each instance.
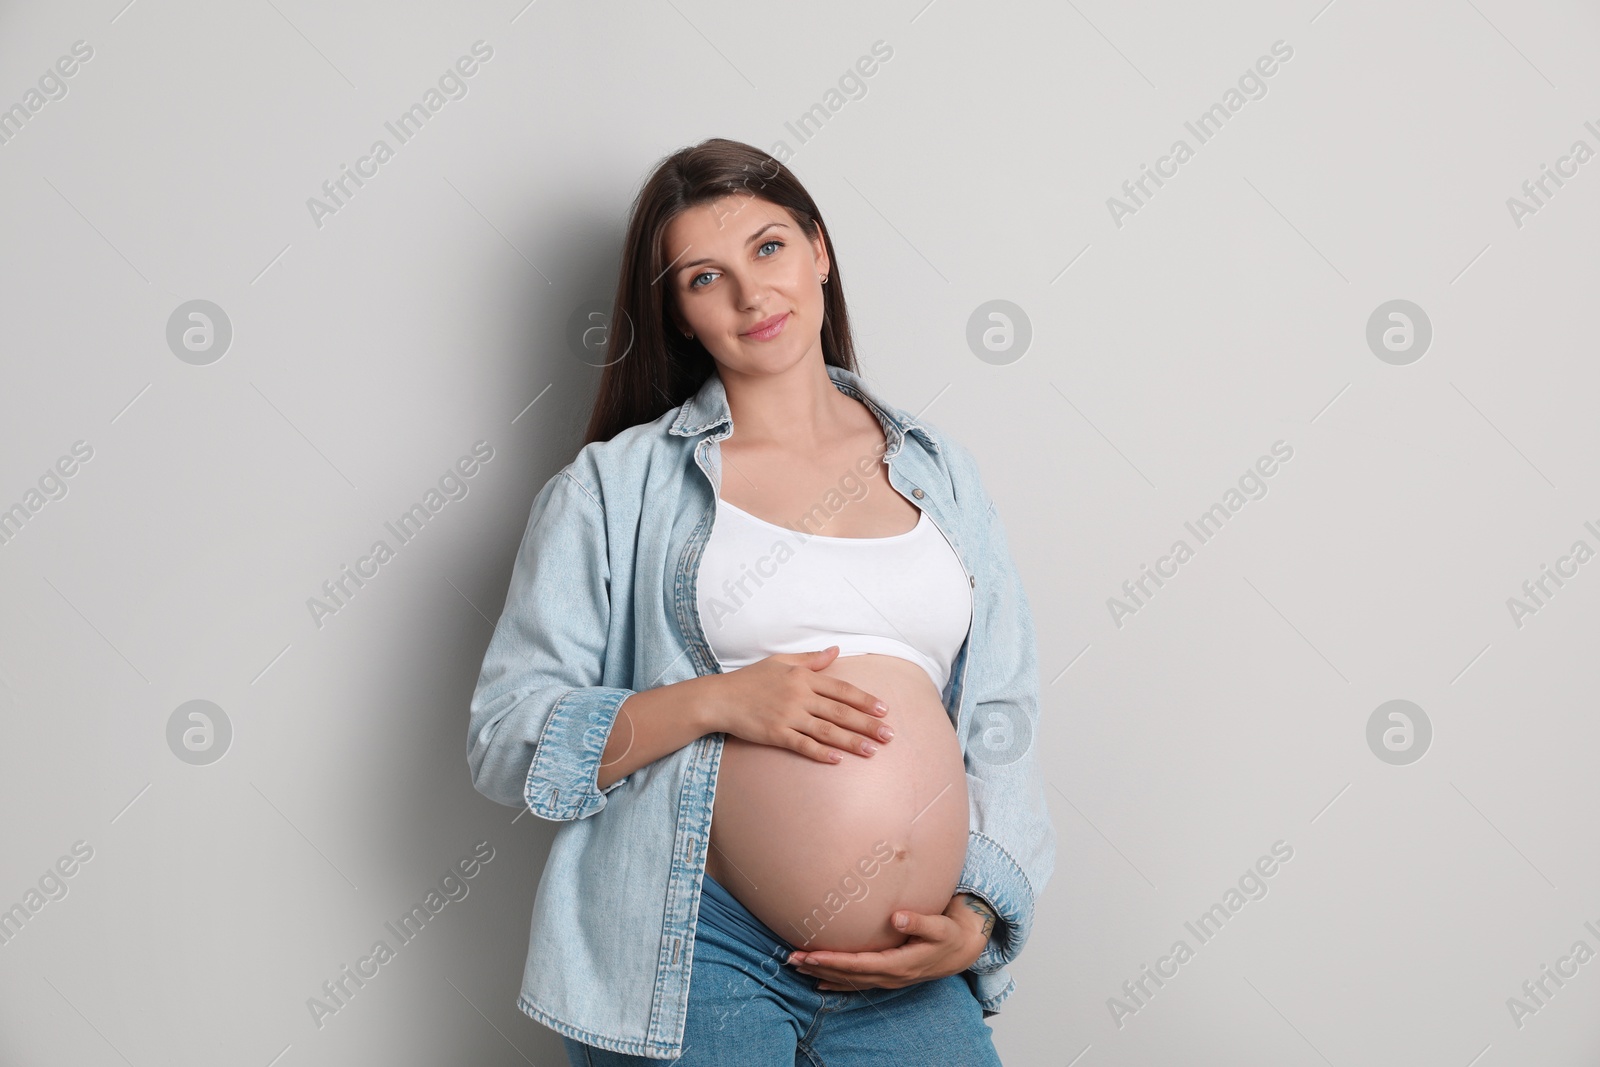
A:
(812, 748)
(872, 726)
(849, 740)
(852, 695)
(858, 962)
(834, 974)
(838, 737)
(848, 718)
(854, 986)
(862, 981)
(859, 985)
(927, 927)
(831, 974)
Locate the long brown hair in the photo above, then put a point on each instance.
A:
(651, 367)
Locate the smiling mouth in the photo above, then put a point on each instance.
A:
(769, 329)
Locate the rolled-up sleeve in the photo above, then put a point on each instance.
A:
(1011, 844)
(539, 717)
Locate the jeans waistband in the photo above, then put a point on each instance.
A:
(723, 912)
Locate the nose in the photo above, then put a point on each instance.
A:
(752, 295)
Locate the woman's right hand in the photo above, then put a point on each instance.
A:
(782, 701)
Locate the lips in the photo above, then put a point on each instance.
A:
(767, 329)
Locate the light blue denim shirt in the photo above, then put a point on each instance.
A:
(602, 605)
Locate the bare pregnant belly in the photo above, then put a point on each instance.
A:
(825, 853)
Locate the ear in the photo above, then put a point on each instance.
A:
(819, 252)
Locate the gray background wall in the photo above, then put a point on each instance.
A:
(1170, 348)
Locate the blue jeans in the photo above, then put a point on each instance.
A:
(748, 1008)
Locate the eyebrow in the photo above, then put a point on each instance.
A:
(747, 241)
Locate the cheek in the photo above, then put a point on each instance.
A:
(805, 295)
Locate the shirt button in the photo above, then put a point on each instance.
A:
(917, 493)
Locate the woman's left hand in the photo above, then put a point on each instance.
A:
(940, 945)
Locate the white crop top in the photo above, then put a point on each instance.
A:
(764, 589)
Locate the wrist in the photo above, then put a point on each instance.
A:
(979, 917)
(706, 706)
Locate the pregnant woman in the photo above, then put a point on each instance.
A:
(768, 665)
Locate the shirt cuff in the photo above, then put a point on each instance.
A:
(569, 751)
(990, 873)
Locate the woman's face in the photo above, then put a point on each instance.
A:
(746, 282)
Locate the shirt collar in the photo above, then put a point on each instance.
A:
(708, 408)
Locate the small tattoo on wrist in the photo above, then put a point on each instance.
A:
(978, 905)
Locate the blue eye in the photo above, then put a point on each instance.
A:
(694, 283)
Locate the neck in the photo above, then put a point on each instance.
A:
(799, 406)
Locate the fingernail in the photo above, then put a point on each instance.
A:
(868, 747)
(881, 708)
(885, 733)
(833, 757)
